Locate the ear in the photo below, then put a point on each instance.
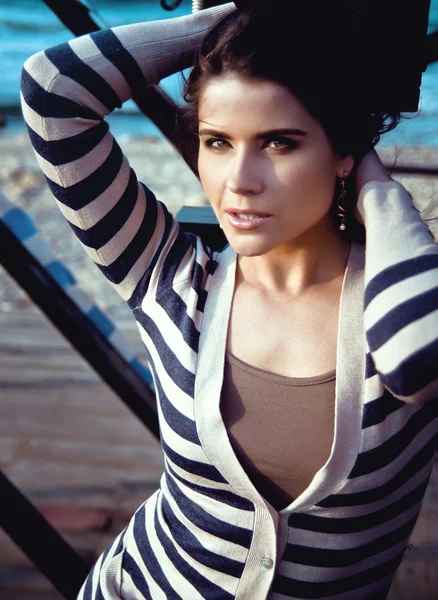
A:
(345, 165)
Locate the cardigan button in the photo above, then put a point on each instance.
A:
(267, 563)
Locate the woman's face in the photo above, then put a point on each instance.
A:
(265, 163)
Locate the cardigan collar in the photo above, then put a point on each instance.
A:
(349, 384)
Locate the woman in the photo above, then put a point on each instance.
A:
(295, 370)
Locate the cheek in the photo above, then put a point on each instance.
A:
(211, 176)
(307, 185)
(203, 171)
(302, 174)
(209, 185)
(204, 174)
(319, 172)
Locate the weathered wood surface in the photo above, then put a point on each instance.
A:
(68, 442)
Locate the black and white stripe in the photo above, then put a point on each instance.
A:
(204, 533)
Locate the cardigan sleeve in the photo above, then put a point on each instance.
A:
(66, 93)
(401, 293)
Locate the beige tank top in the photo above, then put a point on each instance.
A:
(281, 428)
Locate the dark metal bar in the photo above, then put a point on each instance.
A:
(157, 106)
(74, 15)
(78, 329)
(172, 6)
(412, 170)
(432, 47)
(49, 552)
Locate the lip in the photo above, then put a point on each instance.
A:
(246, 224)
(247, 211)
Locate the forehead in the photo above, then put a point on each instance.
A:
(236, 102)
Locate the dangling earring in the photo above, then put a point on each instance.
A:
(341, 208)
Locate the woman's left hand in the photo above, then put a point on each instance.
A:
(370, 168)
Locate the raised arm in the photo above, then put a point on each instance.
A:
(401, 292)
(66, 92)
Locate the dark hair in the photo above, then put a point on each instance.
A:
(309, 48)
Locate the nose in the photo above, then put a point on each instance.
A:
(244, 175)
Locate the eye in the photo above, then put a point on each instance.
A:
(281, 143)
(216, 143)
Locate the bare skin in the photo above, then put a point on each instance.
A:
(282, 334)
(290, 270)
(299, 336)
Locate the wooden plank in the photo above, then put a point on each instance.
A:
(411, 582)
(416, 578)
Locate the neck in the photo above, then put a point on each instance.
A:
(316, 258)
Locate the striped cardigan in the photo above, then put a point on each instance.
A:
(207, 533)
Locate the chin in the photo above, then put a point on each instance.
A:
(249, 247)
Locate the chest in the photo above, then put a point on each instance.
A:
(285, 336)
(294, 420)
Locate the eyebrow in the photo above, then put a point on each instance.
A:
(260, 136)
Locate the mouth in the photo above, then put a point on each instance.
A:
(246, 219)
(247, 213)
